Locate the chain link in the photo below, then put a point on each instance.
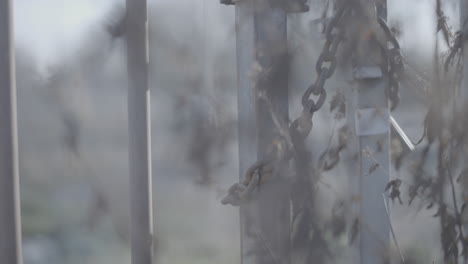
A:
(395, 64)
(328, 55)
(300, 128)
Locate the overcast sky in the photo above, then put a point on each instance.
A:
(45, 26)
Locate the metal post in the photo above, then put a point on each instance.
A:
(369, 119)
(262, 51)
(10, 219)
(139, 129)
(462, 96)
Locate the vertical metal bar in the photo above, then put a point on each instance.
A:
(261, 46)
(462, 95)
(369, 119)
(374, 160)
(139, 128)
(352, 167)
(10, 218)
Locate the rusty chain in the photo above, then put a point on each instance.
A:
(328, 55)
(395, 64)
(292, 137)
(453, 41)
(442, 24)
(455, 48)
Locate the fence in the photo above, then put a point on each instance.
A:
(262, 102)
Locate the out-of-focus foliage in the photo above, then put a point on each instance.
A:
(73, 143)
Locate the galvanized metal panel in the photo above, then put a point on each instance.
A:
(139, 128)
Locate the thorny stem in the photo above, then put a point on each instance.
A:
(443, 216)
(322, 159)
(457, 212)
(419, 195)
(454, 198)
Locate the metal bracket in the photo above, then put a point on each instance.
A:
(227, 2)
(373, 121)
(290, 6)
(362, 116)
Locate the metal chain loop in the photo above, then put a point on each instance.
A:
(300, 128)
(395, 64)
(328, 55)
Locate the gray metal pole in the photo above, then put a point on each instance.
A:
(372, 129)
(262, 51)
(10, 219)
(139, 129)
(463, 92)
(461, 98)
(369, 119)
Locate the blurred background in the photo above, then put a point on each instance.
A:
(72, 114)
